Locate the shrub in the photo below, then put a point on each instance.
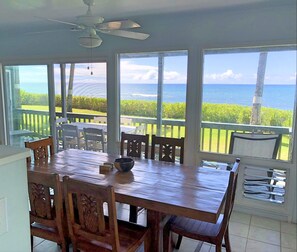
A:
(225, 113)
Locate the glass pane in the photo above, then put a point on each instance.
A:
(86, 99)
(153, 92)
(248, 92)
(27, 93)
(139, 91)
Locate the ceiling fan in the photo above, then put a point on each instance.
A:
(90, 24)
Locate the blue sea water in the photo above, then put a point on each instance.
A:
(274, 96)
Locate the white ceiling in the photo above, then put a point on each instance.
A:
(22, 15)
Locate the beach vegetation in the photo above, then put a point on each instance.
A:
(224, 113)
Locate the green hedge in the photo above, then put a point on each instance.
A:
(225, 113)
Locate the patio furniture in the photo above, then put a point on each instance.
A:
(134, 145)
(167, 148)
(204, 231)
(47, 219)
(71, 137)
(59, 136)
(100, 119)
(257, 145)
(41, 148)
(94, 139)
(90, 229)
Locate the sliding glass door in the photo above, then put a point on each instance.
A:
(27, 103)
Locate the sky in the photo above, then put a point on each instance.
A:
(228, 68)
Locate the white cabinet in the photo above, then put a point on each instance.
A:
(14, 207)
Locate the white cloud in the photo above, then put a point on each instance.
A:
(147, 76)
(293, 77)
(227, 75)
(172, 75)
(147, 73)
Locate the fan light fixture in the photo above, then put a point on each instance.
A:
(90, 41)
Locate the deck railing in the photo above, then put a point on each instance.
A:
(215, 137)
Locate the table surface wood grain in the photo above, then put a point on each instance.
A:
(166, 188)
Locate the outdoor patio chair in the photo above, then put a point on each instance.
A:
(257, 145)
(59, 136)
(204, 231)
(71, 137)
(94, 139)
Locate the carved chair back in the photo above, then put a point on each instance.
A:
(168, 148)
(41, 148)
(134, 144)
(47, 218)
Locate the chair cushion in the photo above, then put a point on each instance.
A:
(195, 229)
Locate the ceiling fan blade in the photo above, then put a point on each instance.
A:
(126, 34)
(50, 31)
(62, 22)
(116, 25)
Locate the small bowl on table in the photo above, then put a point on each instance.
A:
(124, 164)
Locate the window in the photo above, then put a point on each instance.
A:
(250, 91)
(153, 92)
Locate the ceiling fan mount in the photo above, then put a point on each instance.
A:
(90, 24)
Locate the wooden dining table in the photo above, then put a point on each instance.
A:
(164, 189)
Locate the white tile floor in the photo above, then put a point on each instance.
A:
(247, 234)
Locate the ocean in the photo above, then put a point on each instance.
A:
(274, 96)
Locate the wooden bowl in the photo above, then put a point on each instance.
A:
(124, 164)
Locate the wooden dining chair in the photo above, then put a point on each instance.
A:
(90, 229)
(168, 148)
(204, 231)
(94, 139)
(132, 145)
(47, 219)
(41, 148)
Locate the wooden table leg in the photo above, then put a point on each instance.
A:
(156, 221)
